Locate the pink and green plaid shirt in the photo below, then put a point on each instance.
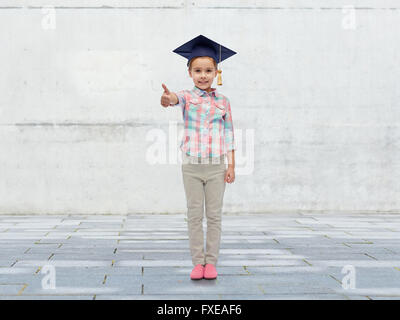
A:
(208, 127)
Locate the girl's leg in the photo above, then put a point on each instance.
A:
(214, 193)
(194, 189)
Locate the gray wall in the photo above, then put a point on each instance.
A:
(314, 94)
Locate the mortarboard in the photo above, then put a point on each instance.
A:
(202, 46)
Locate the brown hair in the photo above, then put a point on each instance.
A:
(190, 63)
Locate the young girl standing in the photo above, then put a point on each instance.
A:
(208, 138)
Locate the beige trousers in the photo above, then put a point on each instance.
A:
(203, 180)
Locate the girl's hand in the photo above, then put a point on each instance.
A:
(166, 97)
(230, 175)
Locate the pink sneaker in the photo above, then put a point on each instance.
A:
(197, 272)
(210, 272)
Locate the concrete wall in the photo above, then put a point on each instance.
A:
(314, 92)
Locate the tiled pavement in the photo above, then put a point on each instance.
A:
(262, 256)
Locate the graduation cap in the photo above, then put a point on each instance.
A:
(202, 46)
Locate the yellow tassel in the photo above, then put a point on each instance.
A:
(219, 78)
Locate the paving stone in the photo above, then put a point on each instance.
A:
(125, 284)
(263, 256)
(64, 263)
(7, 262)
(284, 269)
(163, 256)
(128, 271)
(82, 256)
(185, 271)
(17, 278)
(183, 285)
(70, 291)
(15, 270)
(11, 250)
(328, 296)
(255, 251)
(26, 256)
(158, 297)
(389, 292)
(371, 277)
(11, 288)
(373, 297)
(357, 263)
(379, 255)
(46, 297)
(326, 256)
(72, 282)
(153, 263)
(228, 285)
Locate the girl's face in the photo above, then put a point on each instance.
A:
(203, 72)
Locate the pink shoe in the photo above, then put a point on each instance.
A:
(210, 272)
(197, 272)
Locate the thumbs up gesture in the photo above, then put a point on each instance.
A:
(168, 97)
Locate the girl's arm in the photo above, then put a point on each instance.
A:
(229, 135)
(231, 159)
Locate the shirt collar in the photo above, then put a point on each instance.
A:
(201, 92)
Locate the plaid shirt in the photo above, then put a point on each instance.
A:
(208, 123)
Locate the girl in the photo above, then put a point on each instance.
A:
(208, 137)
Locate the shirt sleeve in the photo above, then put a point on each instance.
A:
(181, 99)
(228, 128)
